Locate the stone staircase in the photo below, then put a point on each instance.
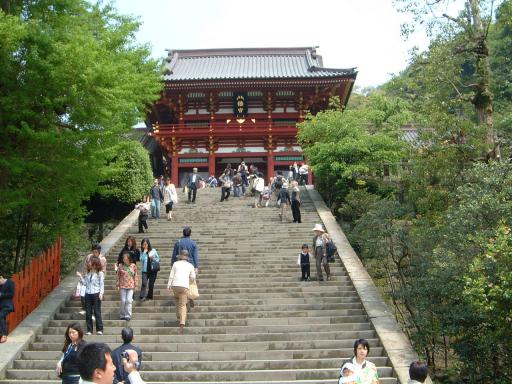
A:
(255, 321)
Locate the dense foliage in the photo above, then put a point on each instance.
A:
(435, 233)
(72, 81)
(128, 175)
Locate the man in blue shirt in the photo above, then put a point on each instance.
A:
(190, 245)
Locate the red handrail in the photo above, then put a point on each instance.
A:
(35, 282)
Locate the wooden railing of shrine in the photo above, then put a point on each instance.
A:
(35, 282)
(233, 128)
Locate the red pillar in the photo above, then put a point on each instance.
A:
(174, 170)
(270, 165)
(211, 164)
(310, 177)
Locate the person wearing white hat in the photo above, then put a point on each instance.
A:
(320, 252)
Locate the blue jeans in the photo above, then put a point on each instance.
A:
(155, 209)
(237, 190)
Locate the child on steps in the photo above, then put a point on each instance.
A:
(303, 261)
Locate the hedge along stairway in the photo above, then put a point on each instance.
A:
(255, 321)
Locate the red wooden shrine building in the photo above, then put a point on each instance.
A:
(225, 106)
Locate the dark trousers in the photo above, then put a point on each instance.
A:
(321, 259)
(3, 321)
(93, 304)
(224, 194)
(148, 283)
(305, 271)
(303, 179)
(192, 192)
(296, 211)
(71, 379)
(143, 223)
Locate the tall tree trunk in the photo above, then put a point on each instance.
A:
(483, 99)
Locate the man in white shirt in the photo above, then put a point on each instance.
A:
(96, 366)
(303, 173)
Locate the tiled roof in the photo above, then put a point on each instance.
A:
(249, 63)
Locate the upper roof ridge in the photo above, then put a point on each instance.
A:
(241, 51)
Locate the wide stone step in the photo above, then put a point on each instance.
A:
(342, 353)
(168, 327)
(222, 365)
(162, 337)
(209, 376)
(170, 344)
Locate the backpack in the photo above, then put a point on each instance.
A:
(331, 251)
(279, 182)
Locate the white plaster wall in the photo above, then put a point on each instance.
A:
(187, 151)
(256, 110)
(233, 149)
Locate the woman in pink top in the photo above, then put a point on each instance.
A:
(182, 273)
(127, 281)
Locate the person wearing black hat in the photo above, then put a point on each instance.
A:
(117, 355)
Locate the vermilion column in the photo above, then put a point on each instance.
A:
(270, 165)
(174, 170)
(211, 164)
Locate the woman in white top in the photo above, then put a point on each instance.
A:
(170, 198)
(259, 185)
(182, 273)
(94, 283)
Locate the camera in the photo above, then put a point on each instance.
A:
(136, 364)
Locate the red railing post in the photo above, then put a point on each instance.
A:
(35, 282)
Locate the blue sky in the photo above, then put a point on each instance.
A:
(350, 33)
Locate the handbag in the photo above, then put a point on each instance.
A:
(155, 266)
(78, 289)
(193, 292)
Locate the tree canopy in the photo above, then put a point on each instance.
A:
(434, 233)
(73, 80)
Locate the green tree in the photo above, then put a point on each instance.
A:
(488, 291)
(73, 80)
(344, 147)
(459, 54)
(127, 175)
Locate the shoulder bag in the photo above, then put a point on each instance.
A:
(193, 292)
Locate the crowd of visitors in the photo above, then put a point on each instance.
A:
(94, 362)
